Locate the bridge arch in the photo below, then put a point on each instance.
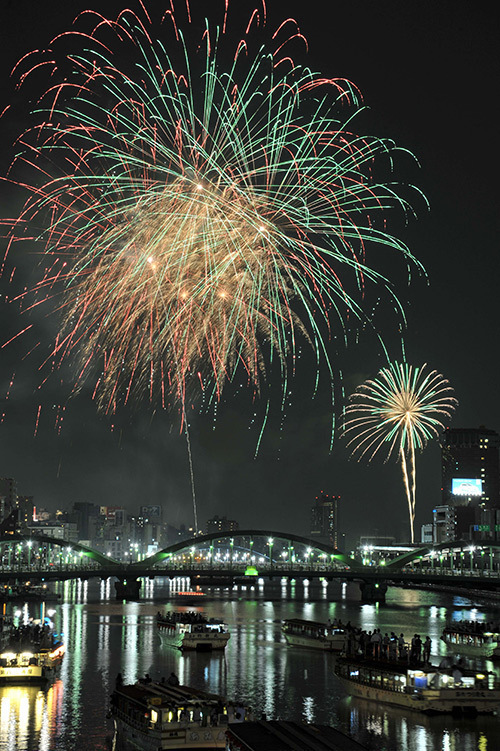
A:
(29, 542)
(429, 551)
(204, 541)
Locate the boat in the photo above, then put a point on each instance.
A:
(471, 637)
(28, 593)
(192, 630)
(420, 687)
(313, 634)
(30, 654)
(189, 595)
(153, 716)
(288, 736)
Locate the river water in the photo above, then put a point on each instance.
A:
(105, 637)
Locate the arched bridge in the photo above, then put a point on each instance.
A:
(253, 546)
(244, 555)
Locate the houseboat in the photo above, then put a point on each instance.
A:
(192, 631)
(287, 736)
(28, 593)
(470, 638)
(425, 688)
(315, 635)
(30, 654)
(153, 716)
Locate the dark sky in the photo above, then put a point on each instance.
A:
(429, 73)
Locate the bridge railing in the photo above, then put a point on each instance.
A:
(242, 566)
(24, 568)
(428, 571)
(170, 567)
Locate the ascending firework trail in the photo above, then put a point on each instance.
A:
(203, 203)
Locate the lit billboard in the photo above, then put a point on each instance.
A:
(461, 486)
(151, 512)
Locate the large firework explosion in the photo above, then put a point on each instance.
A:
(400, 410)
(200, 212)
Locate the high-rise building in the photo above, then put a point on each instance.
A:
(221, 524)
(26, 509)
(8, 496)
(452, 522)
(325, 519)
(470, 467)
(87, 518)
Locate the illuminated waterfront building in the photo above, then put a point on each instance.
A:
(325, 519)
(470, 467)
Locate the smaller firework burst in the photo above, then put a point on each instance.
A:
(401, 410)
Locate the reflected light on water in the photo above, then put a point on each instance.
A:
(105, 636)
(26, 715)
(129, 641)
(308, 711)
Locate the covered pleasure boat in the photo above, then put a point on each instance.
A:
(423, 688)
(153, 716)
(30, 654)
(192, 631)
(472, 638)
(313, 634)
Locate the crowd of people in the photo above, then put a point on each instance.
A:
(377, 646)
(33, 634)
(189, 616)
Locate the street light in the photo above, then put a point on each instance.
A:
(270, 542)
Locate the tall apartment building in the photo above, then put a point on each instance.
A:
(470, 467)
(26, 507)
(8, 496)
(325, 519)
(221, 524)
(87, 518)
(452, 523)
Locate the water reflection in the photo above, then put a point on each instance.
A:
(372, 724)
(27, 714)
(104, 637)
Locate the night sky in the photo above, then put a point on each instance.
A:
(429, 74)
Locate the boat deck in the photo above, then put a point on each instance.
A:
(287, 736)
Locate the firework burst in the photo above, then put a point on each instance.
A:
(401, 410)
(200, 211)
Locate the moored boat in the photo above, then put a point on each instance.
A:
(158, 717)
(313, 634)
(192, 631)
(423, 688)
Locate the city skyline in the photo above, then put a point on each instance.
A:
(423, 92)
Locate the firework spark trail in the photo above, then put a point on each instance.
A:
(200, 212)
(401, 410)
(37, 419)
